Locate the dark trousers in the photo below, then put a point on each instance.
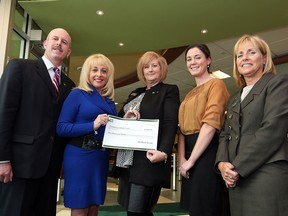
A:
(139, 200)
(29, 197)
(33, 197)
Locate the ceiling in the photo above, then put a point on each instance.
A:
(164, 26)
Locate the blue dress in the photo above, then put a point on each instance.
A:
(85, 171)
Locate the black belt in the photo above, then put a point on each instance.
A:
(86, 142)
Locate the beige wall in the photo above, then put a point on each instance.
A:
(6, 13)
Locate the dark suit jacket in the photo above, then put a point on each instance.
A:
(160, 102)
(256, 130)
(29, 109)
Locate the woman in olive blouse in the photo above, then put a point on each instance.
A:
(201, 116)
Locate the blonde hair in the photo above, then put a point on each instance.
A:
(264, 49)
(145, 59)
(84, 83)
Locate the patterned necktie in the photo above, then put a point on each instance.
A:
(56, 79)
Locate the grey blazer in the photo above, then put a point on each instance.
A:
(256, 130)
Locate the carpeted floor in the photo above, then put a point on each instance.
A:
(168, 203)
(164, 209)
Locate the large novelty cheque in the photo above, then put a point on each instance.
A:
(132, 134)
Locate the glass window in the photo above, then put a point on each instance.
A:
(19, 18)
(21, 46)
(36, 47)
(17, 46)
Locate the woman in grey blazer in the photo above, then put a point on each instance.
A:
(253, 151)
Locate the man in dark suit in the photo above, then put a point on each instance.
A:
(30, 151)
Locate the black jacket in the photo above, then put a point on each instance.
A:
(29, 109)
(160, 102)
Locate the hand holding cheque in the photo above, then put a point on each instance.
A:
(132, 134)
(132, 114)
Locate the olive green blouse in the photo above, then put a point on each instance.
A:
(204, 104)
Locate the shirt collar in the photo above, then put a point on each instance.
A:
(49, 64)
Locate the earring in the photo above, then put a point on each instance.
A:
(208, 66)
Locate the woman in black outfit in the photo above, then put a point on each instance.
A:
(145, 173)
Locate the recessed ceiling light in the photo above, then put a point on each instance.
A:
(204, 31)
(99, 12)
(121, 44)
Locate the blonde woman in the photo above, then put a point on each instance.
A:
(83, 119)
(253, 150)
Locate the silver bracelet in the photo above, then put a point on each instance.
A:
(165, 156)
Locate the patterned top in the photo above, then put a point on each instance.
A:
(134, 104)
(125, 157)
(203, 104)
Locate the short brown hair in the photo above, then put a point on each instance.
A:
(148, 57)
